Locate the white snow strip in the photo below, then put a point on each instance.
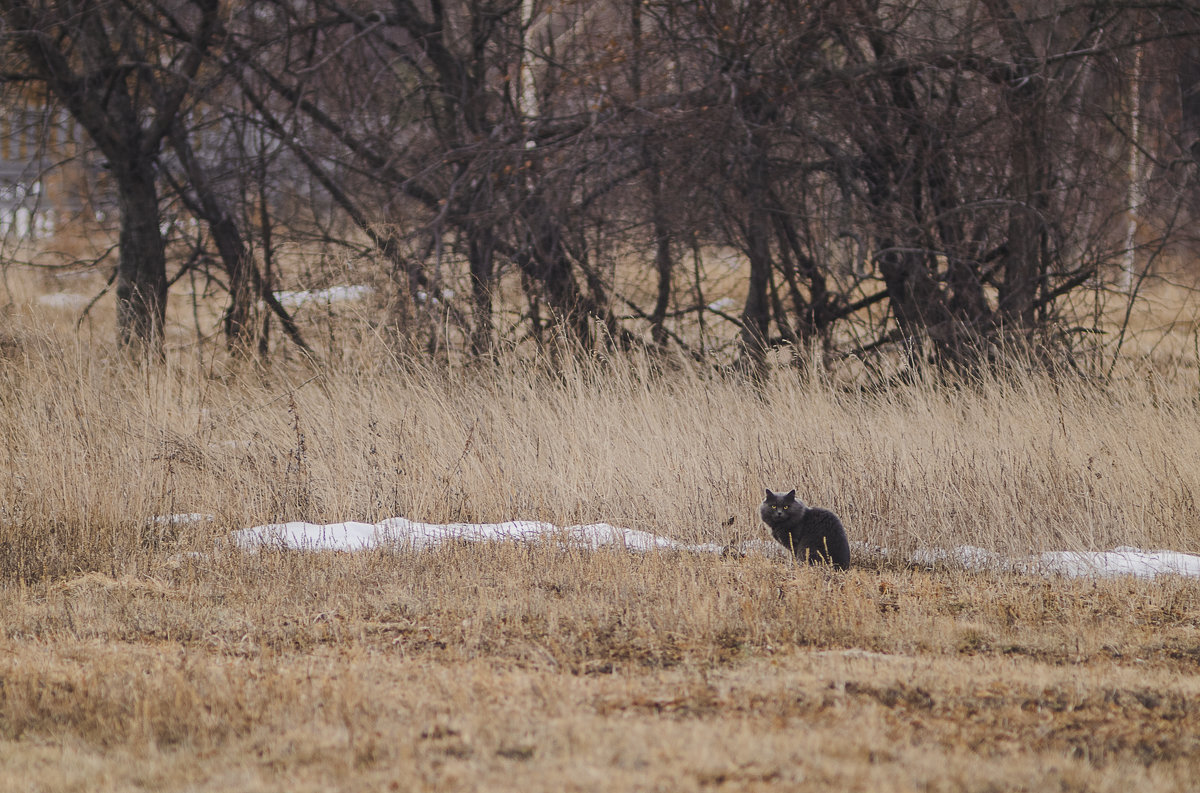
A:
(1119, 561)
(67, 300)
(967, 556)
(184, 517)
(1073, 564)
(404, 533)
(722, 304)
(408, 534)
(334, 294)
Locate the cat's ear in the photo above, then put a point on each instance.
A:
(791, 495)
(769, 493)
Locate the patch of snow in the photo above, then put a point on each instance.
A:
(722, 304)
(66, 300)
(1072, 564)
(404, 533)
(422, 296)
(768, 548)
(967, 556)
(349, 536)
(1119, 561)
(334, 294)
(183, 518)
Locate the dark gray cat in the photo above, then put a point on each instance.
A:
(815, 535)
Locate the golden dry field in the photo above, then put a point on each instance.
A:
(144, 655)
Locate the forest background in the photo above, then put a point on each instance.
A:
(845, 181)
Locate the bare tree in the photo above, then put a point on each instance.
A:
(124, 72)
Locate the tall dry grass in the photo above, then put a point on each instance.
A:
(97, 447)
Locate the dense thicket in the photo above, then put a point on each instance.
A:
(933, 177)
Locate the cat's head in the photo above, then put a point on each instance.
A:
(781, 505)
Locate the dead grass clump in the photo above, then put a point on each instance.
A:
(135, 696)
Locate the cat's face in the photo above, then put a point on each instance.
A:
(778, 506)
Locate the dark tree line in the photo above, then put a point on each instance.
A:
(937, 178)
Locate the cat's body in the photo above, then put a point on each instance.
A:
(815, 535)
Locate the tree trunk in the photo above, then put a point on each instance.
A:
(914, 296)
(239, 328)
(1023, 270)
(664, 264)
(1189, 100)
(756, 313)
(231, 245)
(545, 260)
(481, 258)
(141, 262)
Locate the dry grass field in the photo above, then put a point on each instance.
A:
(142, 655)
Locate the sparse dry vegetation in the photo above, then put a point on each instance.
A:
(137, 654)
